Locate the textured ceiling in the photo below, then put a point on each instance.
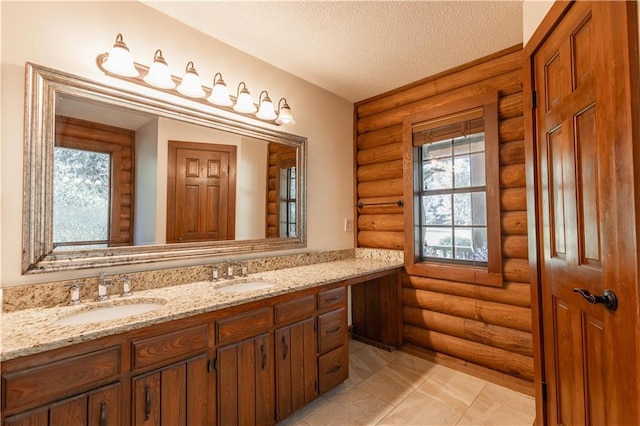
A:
(357, 49)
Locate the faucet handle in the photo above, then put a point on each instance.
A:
(126, 286)
(214, 273)
(75, 291)
(243, 268)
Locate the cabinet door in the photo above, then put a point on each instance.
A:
(100, 408)
(176, 395)
(245, 382)
(296, 367)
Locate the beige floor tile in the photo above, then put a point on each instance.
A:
(355, 407)
(496, 405)
(388, 385)
(298, 417)
(452, 387)
(365, 362)
(419, 409)
(355, 346)
(415, 369)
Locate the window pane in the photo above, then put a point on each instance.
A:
(479, 208)
(480, 248)
(463, 244)
(292, 189)
(81, 191)
(292, 212)
(462, 209)
(437, 242)
(462, 173)
(476, 142)
(477, 169)
(436, 209)
(436, 150)
(436, 174)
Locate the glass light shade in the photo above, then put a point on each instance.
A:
(159, 74)
(266, 111)
(191, 85)
(220, 93)
(285, 116)
(119, 60)
(244, 103)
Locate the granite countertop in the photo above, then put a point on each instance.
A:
(34, 330)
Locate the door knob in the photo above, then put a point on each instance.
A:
(608, 298)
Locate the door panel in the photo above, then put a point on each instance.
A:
(586, 213)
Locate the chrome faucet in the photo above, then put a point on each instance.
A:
(243, 269)
(229, 270)
(214, 273)
(75, 292)
(126, 286)
(105, 282)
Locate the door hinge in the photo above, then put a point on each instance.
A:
(212, 365)
(534, 100)
(544, 392)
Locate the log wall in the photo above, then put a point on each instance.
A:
(483, 326)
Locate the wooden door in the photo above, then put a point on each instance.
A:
(296, 367)
(584, 76)
(201, 192)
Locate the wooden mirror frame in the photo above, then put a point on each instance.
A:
(41, 86)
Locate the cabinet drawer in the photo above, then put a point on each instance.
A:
(243, 326)
(168, 347)
(332, 330)
(46, 382)
(295, 309)
(332, 298)
(333, 368)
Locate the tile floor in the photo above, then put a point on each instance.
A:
(395, 388)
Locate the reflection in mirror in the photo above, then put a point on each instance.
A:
(131, 174)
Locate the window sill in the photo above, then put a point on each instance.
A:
(460, 273)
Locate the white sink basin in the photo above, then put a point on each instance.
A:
(108, 313)
(246, 286)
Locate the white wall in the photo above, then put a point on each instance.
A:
(69, 35)
(533, 12)
(146, 174)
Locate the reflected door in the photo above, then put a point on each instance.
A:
(588, 224)
(201, 192)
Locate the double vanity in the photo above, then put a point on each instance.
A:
(251, 350)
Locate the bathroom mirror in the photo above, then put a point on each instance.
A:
(259, 178)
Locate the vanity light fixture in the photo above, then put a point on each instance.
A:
(119, 63)
(284, 113)
(220, 92)
(266, 111)
(191, 85)
(244, 101)
(159, 74)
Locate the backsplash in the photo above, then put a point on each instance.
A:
(55, 294)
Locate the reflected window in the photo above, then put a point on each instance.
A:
(288, 202)
(81, 198)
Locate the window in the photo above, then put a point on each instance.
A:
(454, 193)
(288, 202)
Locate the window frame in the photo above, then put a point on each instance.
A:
(491, 273)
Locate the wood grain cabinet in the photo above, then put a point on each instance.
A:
(333, 354)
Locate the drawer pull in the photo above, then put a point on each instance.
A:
(333, 299)
(334, 329)
(264, 356)
(334, 369)
(103, 413)
(285, 347)
(147, 401)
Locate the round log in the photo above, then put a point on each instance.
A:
(511, 129)
(513, 223)
(513, 176)
(517, 294)
(511, 106)
(511, 153)
(492, 335)
(513, 199)
(516, 270)
(442, 83)
(515, 246)
(515, 317)
(381, 239)
(380, 137)
(380, 171)
(510, 82)
(380, 188)
(380, 154)
(381, 222)
(495, 358)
